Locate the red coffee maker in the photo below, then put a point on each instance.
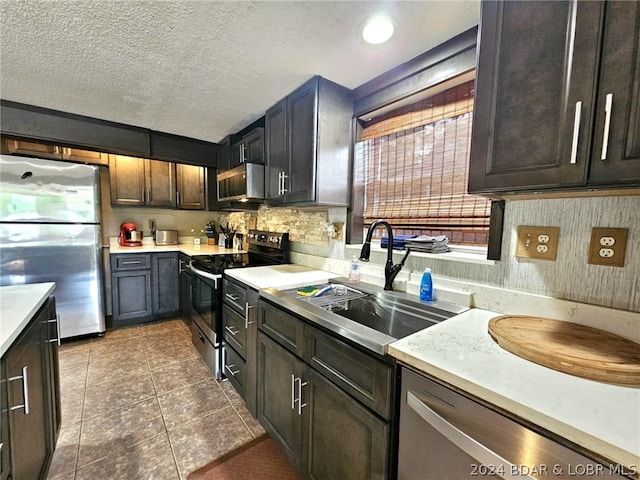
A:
(129, 235)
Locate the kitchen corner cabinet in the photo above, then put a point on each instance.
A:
(140, 182)
(308, 136)
(30, 398)
(328, 405)
(144, 287)
(557, 102)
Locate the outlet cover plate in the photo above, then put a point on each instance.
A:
(608, 240)
(529, 244)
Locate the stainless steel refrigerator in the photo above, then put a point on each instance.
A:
(50, 232)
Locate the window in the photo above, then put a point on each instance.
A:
(415, 162)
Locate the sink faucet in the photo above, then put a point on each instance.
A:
(390, 270)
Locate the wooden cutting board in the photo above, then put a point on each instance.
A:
(570, 348)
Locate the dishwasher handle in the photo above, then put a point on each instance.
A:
(469, 445)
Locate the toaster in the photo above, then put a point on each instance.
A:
(166, 237)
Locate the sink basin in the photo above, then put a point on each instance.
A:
(394, 314)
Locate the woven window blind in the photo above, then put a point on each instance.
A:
(416, 167)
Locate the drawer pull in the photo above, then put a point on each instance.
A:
(137, 262)
(229, 367)
(25, 390)
(233, 298)
(299, 399)
(231, 331)
(246, 315)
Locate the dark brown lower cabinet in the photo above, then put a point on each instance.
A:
(32, 399)
(324, 431)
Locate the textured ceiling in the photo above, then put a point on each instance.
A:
(202, 69)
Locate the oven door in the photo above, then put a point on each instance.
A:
(206, 303)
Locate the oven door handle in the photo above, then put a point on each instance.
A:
(202, 273)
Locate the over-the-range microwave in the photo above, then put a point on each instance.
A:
(242, 183)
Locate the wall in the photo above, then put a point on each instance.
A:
(570, 277)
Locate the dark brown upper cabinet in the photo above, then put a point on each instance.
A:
(557, 97)
(307, 146)
(142, 182)
(250, 149)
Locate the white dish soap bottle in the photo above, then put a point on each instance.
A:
(354, 271)
(426, 286)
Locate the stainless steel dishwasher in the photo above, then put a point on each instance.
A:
(446, 436)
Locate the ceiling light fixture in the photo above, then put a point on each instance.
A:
(377, 29)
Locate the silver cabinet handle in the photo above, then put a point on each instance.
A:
(25, 390)
(293, 390)
(284, 188)
(230, 330)
(467, 444)
(300, 404)
(57, 338)
(576, 132)
(246, 315)
(229, 367)
(607, 123)
(232, 297)
(280, 183)
(131, 262)
(243, 153)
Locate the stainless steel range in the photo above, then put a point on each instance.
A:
(264, 248)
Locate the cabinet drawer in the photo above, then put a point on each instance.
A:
(129, 261)
(282, 327)
(235, 296)
(364, 377)
(235, 332)
(234, 369)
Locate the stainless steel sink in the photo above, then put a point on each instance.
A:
(365, 314)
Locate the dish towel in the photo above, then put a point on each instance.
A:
(427, 244)
(398, 241)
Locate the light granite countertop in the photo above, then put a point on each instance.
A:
(279, 276)
(186, 248)
(601, 417)
(18, 305)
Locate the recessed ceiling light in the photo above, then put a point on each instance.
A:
(377, 29)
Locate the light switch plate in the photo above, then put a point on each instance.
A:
(540, 243)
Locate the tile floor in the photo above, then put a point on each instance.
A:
(139, 403)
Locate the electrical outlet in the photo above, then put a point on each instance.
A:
(608, 246)
(537, 242)
(152, 225)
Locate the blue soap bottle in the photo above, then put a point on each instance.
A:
(426, 286)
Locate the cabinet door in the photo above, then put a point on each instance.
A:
(254, 146)
(535, 82)
(190, 187)
(51, 337)
(88, 156)
(275, 144)
(278, 374)
(302, 117)
(224, 154)
(185, 287)
(234, 369)
(165, 289)
(5, 451)
(235, 332)
(617, 161)
(160, 183)
(27, 404)
(131, 293)
(126, 178)
(251, 368)
(23, 147)
(342, 439)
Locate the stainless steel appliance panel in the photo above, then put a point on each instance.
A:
(45, 191)
(70, 256)
(446, 435)
(50, 232)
